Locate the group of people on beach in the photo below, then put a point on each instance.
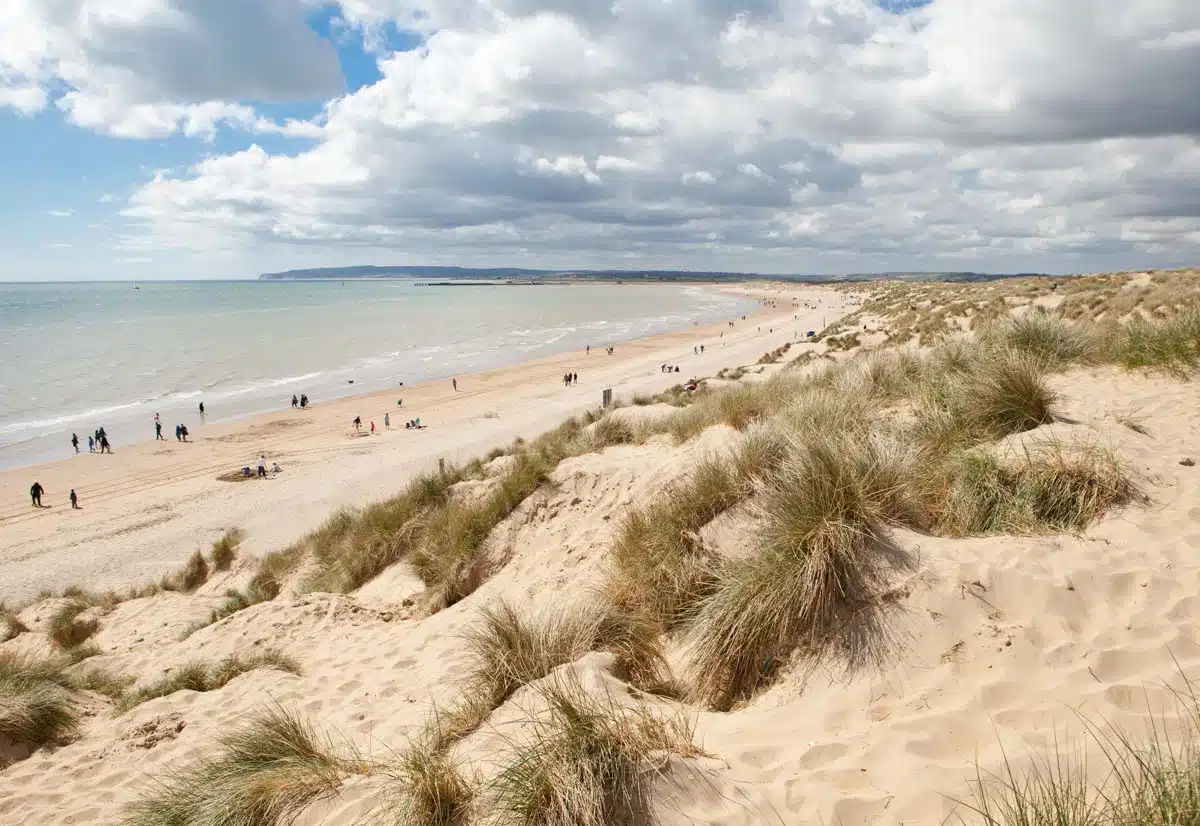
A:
(301, 403)
(570, 378)
(181, 431)
(97, 441)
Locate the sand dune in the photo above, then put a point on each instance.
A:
(986, 646)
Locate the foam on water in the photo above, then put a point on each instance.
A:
(81, 356)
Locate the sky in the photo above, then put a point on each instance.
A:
(155, 139)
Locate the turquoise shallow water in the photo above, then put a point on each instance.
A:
(80, 356)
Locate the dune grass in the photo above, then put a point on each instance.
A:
(66, 629)
(264, 773)
(822, 520)
(37, 707)
(587, 762)
(509, 652)
(449, 558)
(225, 549)
(1171, 345)
(198, 676)
(427, 787)
(1152, 779)
(1050, 488)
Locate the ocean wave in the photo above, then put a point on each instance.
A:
(69, 418)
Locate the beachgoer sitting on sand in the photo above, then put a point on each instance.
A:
(275, 468)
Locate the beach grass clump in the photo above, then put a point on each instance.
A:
(587, 762)
(1171, 344)
(660, 567)
(1050, 339)
(198, 676)
(13, 626)
(36, 705)
(1151, 780)
(102, 681)
(265, 772)
(355, 547)
(449, 557)
(427, 786)
(225, 549)
(819, 561)
(194, 573)
(67, 629)
(1048, 489)
(509, 652)
(1005, 393)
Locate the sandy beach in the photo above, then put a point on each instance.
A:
(149, 505)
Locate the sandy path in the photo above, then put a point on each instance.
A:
(149, 505)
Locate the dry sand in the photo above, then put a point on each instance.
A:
(998, 641)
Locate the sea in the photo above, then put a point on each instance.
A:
(80, 356)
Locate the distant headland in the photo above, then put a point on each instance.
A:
(440, 276)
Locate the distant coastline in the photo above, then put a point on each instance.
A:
(502, 276)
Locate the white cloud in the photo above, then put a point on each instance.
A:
(800, 135)
(59, 213)
(147, 68)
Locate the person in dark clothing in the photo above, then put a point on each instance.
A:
(357, 423)
(74, 500)
(158, 432)
(179, 433)
(104, 448)
(295, 402)
(91, 444)
(183, 432)
(303, 401)
(455, 383)
(75, 441)
(35, 493)
(201, 410)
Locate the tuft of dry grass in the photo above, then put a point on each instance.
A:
(821, 524)
(36, 706)
(660, 566)
(1152, 779)
(194, 573)
(449, 558)
(1049, 489)
(509, 652)
(197, 676)
(66, 630)
(225, 549)
(355, 547)
(588, 762)
(265, 772)
(428, 788)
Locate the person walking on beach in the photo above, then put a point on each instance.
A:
(178, 433)
(201, 411)
(104, 447)
(75, 442)
(574, 378)
(91, 445)
(387, 421)
(357, 423)
(372, 427)
(262, 467)
(158, 432)
(74, 501)
(35, 493)
(295, 402)
(455, 383)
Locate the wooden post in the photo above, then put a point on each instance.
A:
(442, 467)
(606, 399)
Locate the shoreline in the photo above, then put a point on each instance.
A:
(43, 438)
(148, 506)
